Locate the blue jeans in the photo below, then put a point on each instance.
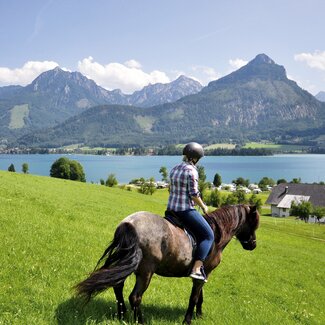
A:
(195, 222)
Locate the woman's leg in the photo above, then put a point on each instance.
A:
(195, 222)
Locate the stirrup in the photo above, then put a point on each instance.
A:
(199, 276)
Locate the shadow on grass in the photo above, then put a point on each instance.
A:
(74, 311)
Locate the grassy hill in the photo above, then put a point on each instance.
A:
(53, 232)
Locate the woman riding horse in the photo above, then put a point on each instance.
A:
(145, 243)
(184, 194)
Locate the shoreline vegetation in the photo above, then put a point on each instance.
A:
(219, 149)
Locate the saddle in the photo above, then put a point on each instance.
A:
(172, 217)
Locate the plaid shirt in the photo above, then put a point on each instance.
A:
(183, 184)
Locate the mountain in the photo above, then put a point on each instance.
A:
(256, 102)
(159, 93)
(50, 99)
(56, 95)
(9, 90)
(321, 96)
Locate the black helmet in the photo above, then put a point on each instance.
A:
(193, 150)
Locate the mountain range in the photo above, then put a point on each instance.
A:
(256, 102)
(56, 95)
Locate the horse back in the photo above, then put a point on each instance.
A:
(167, 247)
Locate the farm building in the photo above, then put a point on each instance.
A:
(284, 194)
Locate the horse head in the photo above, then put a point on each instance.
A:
(246, 232)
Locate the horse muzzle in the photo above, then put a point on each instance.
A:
(248, 245)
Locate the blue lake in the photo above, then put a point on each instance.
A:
(310, 168)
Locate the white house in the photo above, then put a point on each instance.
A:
(284, 194)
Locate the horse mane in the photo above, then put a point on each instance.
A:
(226, 220)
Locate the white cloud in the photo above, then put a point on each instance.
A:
(128, 76)
(25, 75)
(204, 74)
(133, 64)
(314, 60)
(237, 63)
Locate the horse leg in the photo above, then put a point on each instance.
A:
(195, 298)
(199, 305)
(141, 284)
(121, 308)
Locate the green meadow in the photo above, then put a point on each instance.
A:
(276, 147)
(53, 232)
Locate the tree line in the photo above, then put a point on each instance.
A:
(71, 169)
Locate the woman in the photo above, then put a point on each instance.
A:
(184, 195)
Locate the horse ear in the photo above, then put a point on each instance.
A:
(253, 209)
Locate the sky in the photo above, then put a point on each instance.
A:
(128, 44)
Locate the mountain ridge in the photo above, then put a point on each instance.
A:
(57, 95)
(256, 102)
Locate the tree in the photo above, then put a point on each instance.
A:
(241, 196)
(25, 168)
(240, 181)
(217, 180)
(255, 201)
(280, 181)
(11, 168)
(201, 172)
(67, 169)
(318, 212)
(164, 173)
(302, 210)
(76, 171)
(215, 198)
(60, 168)
(296, 180)
(230, 199)
(148, 187)
(203, 185)
(111, 180)
(264, 182)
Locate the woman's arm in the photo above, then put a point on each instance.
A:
(198, 201)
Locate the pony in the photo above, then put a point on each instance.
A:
(145, 243)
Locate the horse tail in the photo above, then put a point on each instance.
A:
(121, 258)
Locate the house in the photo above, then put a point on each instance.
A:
(284, 194)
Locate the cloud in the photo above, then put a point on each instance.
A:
(25, 75)
(133, 64)
(204, 74)
(128, 76)
(237, 63)
(314, 60)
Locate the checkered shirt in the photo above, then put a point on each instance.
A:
(183, 184)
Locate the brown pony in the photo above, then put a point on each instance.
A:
(145, 243)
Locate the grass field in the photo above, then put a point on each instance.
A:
(53, 232)
(17, 115)
(275, 147)
(220, 145)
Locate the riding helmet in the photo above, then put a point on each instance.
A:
(193, 150)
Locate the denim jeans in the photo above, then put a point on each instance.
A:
(195, 222)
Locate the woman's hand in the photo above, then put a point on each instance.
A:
(205, 209)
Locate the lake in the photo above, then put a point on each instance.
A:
(310, 168)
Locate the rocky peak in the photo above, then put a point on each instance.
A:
(261, 67)
(165, 93)
(57, 80)
(262, 59)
